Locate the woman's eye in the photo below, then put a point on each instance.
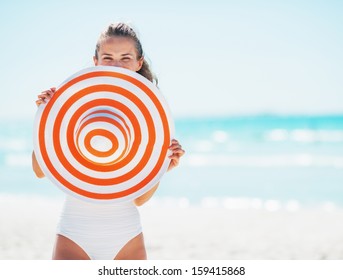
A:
(126, 58)
(107, 58)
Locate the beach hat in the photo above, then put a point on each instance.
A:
(104, 135)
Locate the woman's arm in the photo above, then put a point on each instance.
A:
(177, 152)
(36, 168)
(43, 98)
(139, 201)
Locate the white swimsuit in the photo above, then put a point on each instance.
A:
(101, 230)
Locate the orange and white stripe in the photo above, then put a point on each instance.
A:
(104, 136)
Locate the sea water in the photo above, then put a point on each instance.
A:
(272, 162)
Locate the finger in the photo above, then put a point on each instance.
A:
(41, 99)
(175, 146)
(174, 158)
(46, 92)
(174, 163)
(39, 102)
(174, 141)
(44, 95)
(179, 152)
(49, 92)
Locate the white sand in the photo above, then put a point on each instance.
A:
(27, 231)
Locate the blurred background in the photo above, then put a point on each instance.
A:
(255, 88)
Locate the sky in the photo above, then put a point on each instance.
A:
(212, 58)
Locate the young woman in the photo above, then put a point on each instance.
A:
(95, 231)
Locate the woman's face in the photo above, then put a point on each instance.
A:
(120, 52)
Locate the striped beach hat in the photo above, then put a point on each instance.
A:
(104, 135)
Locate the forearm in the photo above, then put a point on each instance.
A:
(139, 201)
(36, 168)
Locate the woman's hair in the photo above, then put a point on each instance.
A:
(124, 30)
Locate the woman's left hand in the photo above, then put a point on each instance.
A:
(176, 148)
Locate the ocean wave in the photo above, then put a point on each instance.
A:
(220, 136)
(18, 160)
(242, 203)
(237, 140)
(304, 135)
(280, 160)
(14, 144)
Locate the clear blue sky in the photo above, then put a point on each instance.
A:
(212, 57)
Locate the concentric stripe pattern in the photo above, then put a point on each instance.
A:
(104, 136)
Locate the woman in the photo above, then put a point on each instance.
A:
(95, 231)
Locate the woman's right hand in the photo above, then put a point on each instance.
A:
(45, 96)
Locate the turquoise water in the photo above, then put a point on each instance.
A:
(233, 162)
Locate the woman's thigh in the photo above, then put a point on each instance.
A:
(133, 250)
(66, 249)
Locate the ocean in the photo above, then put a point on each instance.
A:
(260, 162)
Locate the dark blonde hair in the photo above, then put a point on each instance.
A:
(124, 30)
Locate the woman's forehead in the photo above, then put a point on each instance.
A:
(118, 43)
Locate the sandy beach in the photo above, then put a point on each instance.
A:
(28, 229)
